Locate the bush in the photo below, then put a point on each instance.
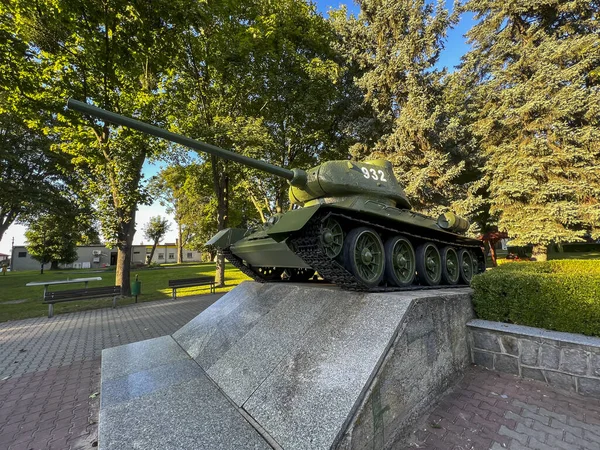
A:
(561, 295)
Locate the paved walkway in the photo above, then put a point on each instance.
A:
(50, 374)
(490, 410)
(50, 368)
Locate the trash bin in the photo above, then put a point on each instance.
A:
(136, 288)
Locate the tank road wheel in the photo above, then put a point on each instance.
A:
(269, 273)
(465, 261)
(400, 261)
(299, 275)
(332, 237)
(450, 266)
(364, 256)
(429, 264)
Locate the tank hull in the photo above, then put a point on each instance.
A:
(294, 240)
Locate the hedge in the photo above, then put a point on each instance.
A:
(561, 295)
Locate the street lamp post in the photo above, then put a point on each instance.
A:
(43, 252)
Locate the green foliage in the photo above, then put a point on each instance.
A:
(33, 179)
(532, 75)
(187, 192)
(52, 240)
(590, 267)
(561, 295)
(257, 77)
(156, 228)
(396, 44)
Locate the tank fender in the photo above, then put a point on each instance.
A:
(226, 237)
(291, 221)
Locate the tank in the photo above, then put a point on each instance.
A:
(351, 223)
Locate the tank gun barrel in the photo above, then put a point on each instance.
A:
(296, 177)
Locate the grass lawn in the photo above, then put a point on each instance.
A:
(18, 301)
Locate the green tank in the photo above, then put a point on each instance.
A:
(351, 223)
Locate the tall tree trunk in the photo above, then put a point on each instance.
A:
(54, 265)
(540, 253)
(221, 185)
(124, 244)
(179, 244)
(6, 220)
(152, 251)
(492, 246)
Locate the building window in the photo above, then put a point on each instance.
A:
(189, 255)
(161, 256)
(171, 255)
(22, 254)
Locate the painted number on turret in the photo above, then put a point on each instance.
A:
(377, 175)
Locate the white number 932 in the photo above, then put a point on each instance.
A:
(377, 175)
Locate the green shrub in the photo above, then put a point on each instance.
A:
(561, 295)
(579, 266)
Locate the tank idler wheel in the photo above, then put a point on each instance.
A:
(299, 275)
(332, 237)
(465, 261)
(429, 264)
(364, 256)
(450, 266)
(269, 273)
(400, 261)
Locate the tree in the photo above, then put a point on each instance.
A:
(187, 193)
(49, 240)
(537, 68)
(32, 177)
(112, 54)
(155, 231)
(167, 186)
(54, 234)
(257, 77)
(396, 45)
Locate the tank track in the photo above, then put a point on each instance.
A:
(239, 264)
(306, 244)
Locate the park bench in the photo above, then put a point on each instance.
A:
(50, 298)
(190, 282)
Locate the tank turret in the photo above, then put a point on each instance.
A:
(354, 226)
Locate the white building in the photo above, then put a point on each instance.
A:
(98, 257)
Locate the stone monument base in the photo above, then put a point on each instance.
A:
(287, 366)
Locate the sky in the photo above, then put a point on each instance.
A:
(456, 46)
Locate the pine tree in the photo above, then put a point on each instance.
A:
(396, 44)
(537, 65)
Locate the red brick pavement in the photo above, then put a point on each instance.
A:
(49, 369)
(51, 409)
(491, 410)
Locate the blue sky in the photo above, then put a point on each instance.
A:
(456, 46)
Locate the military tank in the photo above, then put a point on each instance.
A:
(351, 223)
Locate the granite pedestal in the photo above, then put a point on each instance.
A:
(287, 366)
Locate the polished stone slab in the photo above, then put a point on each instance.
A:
(307, 400)
(131, 358)
(190, 415)
(147, 382)
(244, 367)
(222, 324)
(277, 366)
